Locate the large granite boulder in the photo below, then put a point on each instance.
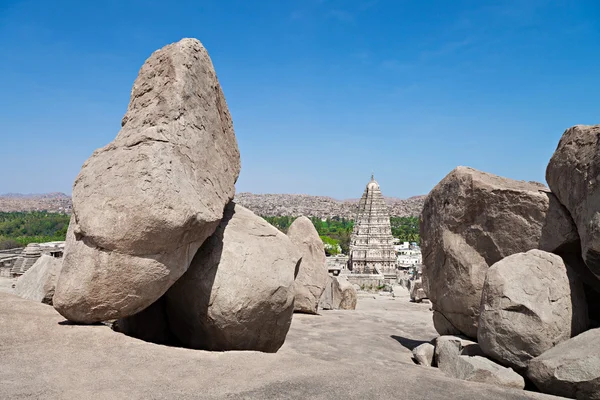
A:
(460, 358)
(312, 274)
(39, 282)
(145, 203)
(571, 369)
(572, 174)
(471, 220)
(531, 302)
(238, 293)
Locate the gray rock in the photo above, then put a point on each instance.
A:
(146, 202)
(460, 358)
(339, 294)
(572, 174)
(423, 354)
(417, 294)
(471, 220)
(570, 369)
(238, 292)
(531, 302)
(346, 294)
(39, 282)
(312, 275)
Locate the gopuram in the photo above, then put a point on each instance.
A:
(371, 244)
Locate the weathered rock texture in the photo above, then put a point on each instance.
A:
(39, 282)
(461, 359)
(572, 174)
(312, 275)
(571, 369)
(238, 292)
(339, 294)
(145, 203)
(531, 302)
(471, 220)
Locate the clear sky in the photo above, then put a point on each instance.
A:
(322, 92)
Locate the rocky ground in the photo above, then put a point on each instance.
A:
(362, 354)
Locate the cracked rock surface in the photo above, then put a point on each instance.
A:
(146, 202)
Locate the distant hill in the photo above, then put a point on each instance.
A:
(53, 202)
(262, 204)
(321, 206)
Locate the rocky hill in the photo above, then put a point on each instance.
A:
(321, 206)
(53, 202)
(262, 204)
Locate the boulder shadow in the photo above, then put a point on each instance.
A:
(410, 344)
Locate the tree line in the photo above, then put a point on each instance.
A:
(18, 229)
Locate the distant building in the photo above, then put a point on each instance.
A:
(371, 244)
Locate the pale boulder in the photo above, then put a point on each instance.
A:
(570, 369)
(238, 293)
(339, 294)
(471, 220)
(39, 282)
(423, 354)
(346, 294)
(145, 203)
(531, 302)
(312, 274)
(460, 358)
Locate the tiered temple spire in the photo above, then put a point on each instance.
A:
(371, 244)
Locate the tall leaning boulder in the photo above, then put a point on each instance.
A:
(573, 175)
(145, 203)
(312, 274)
(531, 302)
(39, 282)
(471, 220)
(238, 293)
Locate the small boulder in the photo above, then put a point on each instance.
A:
(531, 302)
(312, 274)
(347, 294)
(39, 282)
(572, 174)
(145, 203)
(238, 292)
(339, 294)
(417, 293)
(570, 369)
(423, 354)
(471, 220)
(460, 358)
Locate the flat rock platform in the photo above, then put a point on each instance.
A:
(362, 354)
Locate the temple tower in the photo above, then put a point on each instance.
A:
(371, 244)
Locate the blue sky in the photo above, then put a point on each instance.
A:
(322, 92)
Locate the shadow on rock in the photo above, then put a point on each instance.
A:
(410, 344)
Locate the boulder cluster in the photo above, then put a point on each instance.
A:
(516, 266)
(155, 241)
